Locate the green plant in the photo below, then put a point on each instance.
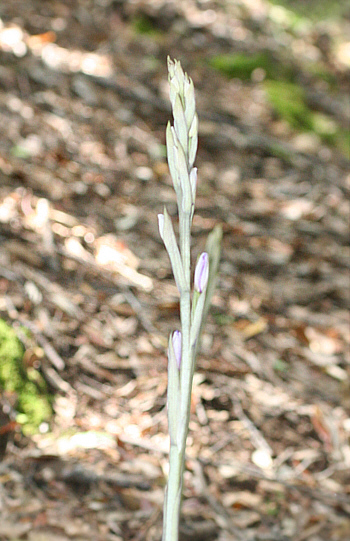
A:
(181, 140)
(33, 403)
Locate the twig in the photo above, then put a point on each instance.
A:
(214, 503)
(257, 438)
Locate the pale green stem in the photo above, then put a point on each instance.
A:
(186, 370)
(172, 505)
(185, 315)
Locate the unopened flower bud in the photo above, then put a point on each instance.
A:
(177, 347)
(201, 273)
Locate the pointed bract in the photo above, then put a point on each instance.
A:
(171, 66)
(193, 141)
(172, 158)
(180, 124)
(173, 251)
(161, 225)
(173, 390)
(190, 102)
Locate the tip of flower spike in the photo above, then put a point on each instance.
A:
(201, 273)
(171, 64)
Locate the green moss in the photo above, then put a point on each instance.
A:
(316, 10)
(33, 402)
(11, 354)
(144, 25)
(272, 509)
(324, 126)
(242, 65)
(321, 72)
(288, 100)
(281, 366)
(343, 142)
(223, 319)
(36, 408)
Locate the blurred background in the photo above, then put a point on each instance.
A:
(87, 298)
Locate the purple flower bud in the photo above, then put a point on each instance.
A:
(177, 347)
(161, 224)
(201, 273)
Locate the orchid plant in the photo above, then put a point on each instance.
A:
(181, 142)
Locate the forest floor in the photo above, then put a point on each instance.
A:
(83, 109)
